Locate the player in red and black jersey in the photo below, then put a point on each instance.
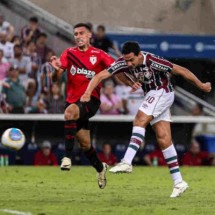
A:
(150, 72)
(82, 63)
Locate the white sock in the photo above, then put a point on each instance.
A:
(170, 156)
(137, 138)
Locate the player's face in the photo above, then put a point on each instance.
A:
(82, 36)
(131, 60)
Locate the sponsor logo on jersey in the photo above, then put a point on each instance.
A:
(159, 66)
(115, 66)
(73, 70)
(93, 59)
(82, 71)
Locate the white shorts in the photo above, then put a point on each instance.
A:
(157, 103)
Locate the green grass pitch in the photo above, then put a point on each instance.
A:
(49, 191)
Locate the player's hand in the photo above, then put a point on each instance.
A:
(55, 62)
(85, 97)
(136, 86)
(206, 87)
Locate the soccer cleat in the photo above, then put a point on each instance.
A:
(178, 189)
(121, 167)
(66, 164)
(102, 181)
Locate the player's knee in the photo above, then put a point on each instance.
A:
(142, 120)
(85, 145)
(163, 139)
(70, 115)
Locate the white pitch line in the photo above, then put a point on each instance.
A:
(16, 212)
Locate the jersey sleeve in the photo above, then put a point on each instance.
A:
(118, 66)
(158, 63)
(106, 59)
(64, 60)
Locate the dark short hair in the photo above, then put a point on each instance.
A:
(15, 37)
(102, 27)
(131, 47)
(82, 25)
(42, 35)
(30, 41)
(17, 46)
(33, 19)
(14, 67)
(90, 25)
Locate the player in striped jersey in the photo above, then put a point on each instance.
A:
(152, 74)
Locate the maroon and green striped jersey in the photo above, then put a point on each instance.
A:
(153, 74)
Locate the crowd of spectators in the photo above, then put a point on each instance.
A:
(25, 75)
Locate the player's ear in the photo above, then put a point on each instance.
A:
(89, 34)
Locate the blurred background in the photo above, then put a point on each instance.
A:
(31, 31)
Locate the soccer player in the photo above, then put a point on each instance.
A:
(82, 63)
(152, 74)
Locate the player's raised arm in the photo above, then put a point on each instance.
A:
(93, 84)
(189, 76)
(55, 63)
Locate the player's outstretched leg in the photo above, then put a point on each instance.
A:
(137, 138)
(121, 167)
(70, 128)
(180, 186)
(100, 167)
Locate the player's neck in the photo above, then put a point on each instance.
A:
(141, 59)
(84, 48)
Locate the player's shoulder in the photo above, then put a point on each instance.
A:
(100, 53)
(149, 57)
(152, 55)
(147, 54)
(94, 50)
(71, 49)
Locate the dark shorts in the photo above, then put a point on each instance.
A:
(87, 110)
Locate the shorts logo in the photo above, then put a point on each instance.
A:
(93, 59)
(145, 106)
